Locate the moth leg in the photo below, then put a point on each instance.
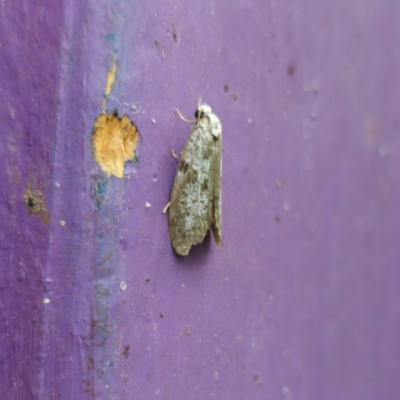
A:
(174, 155)
(183, 118)
(166, 207)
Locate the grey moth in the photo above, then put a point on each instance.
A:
(195, 205)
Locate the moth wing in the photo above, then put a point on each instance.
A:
(191, 211)
(216, 198)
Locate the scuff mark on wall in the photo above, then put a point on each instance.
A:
(36, 204)
(115, 141)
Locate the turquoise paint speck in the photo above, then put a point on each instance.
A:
(110, 37)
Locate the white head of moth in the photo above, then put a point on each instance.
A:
(195, 205)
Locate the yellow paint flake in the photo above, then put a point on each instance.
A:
(114, 142)
(112, 74)
(111, 77)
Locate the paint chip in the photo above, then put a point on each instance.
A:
(148, 205)
(112, 74)
(115, 141)
(123, 286)
(46, 300)
(36, 205)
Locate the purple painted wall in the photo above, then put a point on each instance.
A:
(302, 301)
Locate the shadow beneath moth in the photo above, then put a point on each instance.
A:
(195, 205)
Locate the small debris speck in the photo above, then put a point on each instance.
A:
(123, 286)
(161, 314)
(291, 69)
(148, 205)
(126, 350)
(63, 223)
(188, 330)
(46, 300)
(257, 379)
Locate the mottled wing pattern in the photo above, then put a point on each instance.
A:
(191, 210)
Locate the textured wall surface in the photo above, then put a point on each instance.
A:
(302, 301)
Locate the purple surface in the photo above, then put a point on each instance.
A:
(302, 301)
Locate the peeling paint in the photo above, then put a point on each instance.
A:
(112, 74)
(115, 141)
(36, 204)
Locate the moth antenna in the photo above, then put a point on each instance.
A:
(183, 118)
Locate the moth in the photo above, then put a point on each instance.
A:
(195, 205)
